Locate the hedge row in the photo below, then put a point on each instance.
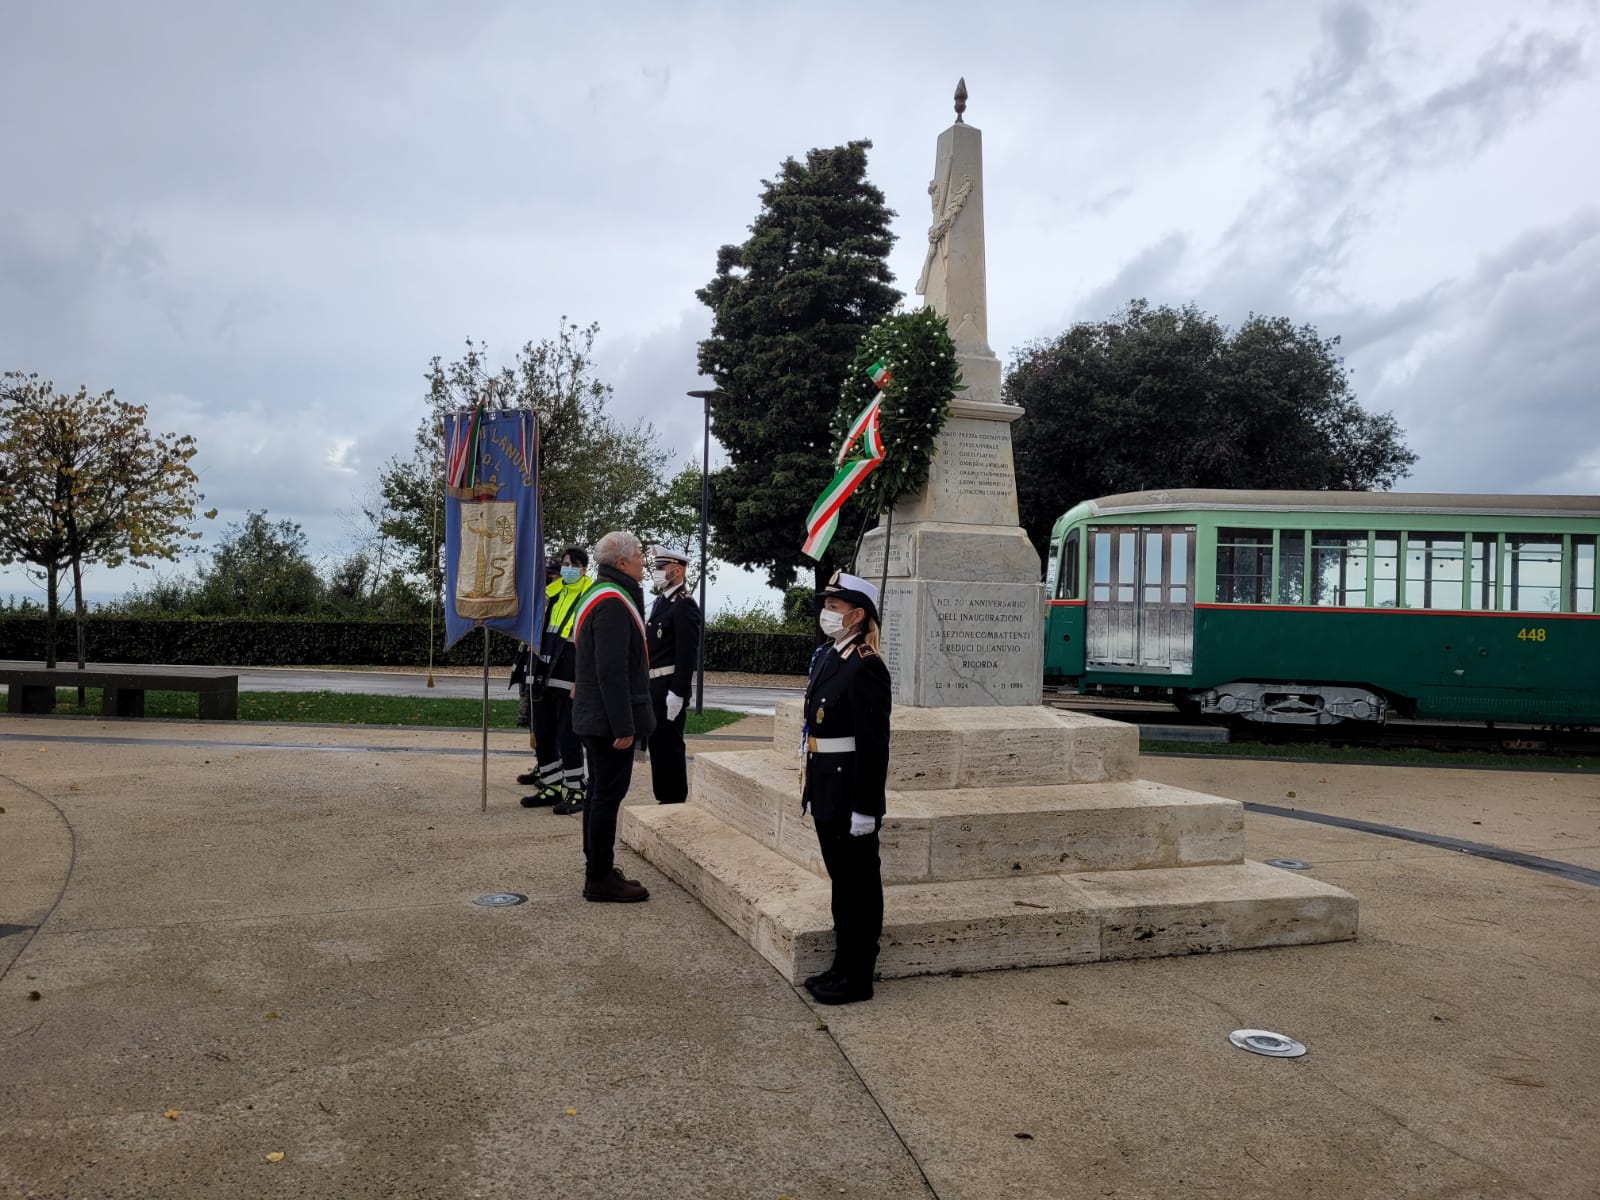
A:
(296, 642)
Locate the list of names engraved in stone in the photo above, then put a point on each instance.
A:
(896, 599)
(983, 462)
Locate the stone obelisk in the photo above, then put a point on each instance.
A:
(1017, 834)
(962, 605)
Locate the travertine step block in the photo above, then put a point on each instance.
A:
(937, 748)
(783, 910)
(732, 875)
(975, 833)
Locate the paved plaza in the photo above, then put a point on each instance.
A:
(227, 945)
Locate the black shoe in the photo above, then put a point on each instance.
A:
(543, 798)
(572, 802)
(811, 981)
(614, 887)
(529, 778)
(842, 989)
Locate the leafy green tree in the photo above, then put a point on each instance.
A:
(1170, 398)
(83, 480)
(789, 306)
(595, 473)
(259, 568)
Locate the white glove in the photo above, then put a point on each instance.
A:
(861, 824)
(674, 705)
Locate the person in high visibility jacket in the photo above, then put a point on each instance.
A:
(559, 774)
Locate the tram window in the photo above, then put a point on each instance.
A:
(1244, 566)
(1583, 574)
(1532, 573)
(1291, 567)
(1433, 570)
(1100, 562)
(1480, 592)
(1067, 588)
(1178, 593)
(1153, 539)
(1127, 553)
(1338, 569)
(1386, 570)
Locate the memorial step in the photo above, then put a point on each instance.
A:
(782, 910)
(976, 833)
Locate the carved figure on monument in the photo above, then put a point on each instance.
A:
(944, 217)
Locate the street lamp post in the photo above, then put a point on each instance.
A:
(705, 504)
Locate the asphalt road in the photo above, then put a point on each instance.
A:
(753, 700)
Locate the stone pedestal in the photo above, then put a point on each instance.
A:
(962, 605)
(1015, 838)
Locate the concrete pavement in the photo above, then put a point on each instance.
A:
(277, 947)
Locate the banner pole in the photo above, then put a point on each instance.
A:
(483, 790)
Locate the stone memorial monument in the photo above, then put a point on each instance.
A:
(1017, 834)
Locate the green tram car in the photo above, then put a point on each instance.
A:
(1311, 608)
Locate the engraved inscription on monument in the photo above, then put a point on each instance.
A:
(869, 563)
(988, 636)
(983, 461)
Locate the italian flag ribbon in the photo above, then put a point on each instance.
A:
(461, 468)
(606, 591)
(824, 517)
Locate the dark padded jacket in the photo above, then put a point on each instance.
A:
(611, 698)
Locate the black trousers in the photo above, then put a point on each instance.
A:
(669, 768)
(853, 867)
(610, 773)
(558, 749)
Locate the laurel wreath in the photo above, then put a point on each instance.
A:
(921, 357)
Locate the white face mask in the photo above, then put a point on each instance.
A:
(658, 579)
(832, 622)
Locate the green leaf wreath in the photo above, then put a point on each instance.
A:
(920, 354)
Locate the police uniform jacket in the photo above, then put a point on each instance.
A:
(847, 733)
(674, 628)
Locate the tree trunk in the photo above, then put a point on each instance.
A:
(51, 599)
(77, 615)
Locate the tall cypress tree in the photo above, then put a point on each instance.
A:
(789, 306)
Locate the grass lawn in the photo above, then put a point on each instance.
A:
(1377, 755)
(339, 708)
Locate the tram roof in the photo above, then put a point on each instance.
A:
(1438, 503)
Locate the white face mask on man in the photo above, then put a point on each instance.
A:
(658, 579)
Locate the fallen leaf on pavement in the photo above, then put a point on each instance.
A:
(572, 1112)
(171, 1114)
(275, 1156)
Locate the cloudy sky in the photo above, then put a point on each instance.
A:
(263, 219)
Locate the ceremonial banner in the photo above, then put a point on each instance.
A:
(493, 540)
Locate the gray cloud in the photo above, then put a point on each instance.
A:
(264, 220)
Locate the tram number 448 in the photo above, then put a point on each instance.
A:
(1530, 635)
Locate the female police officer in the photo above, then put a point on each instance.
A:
(846, 765)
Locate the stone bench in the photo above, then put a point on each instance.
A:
(31, 687)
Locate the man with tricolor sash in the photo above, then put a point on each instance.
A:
(611, 705)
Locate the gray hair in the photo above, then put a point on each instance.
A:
(616, 545)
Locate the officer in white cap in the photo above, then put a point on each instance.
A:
(674, 630)
(846, 769)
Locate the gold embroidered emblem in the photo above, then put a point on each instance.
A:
(821, 712)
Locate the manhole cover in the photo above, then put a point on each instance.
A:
(1289, 864)
(501, 899)
(1262, 1041)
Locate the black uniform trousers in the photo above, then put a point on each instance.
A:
(669, 767)
(558, 749)
(854, 869)
(610, 773)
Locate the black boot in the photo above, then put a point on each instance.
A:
(615, 888)
(843, 989)
(811, 981)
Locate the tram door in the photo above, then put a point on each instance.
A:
(1141, 597)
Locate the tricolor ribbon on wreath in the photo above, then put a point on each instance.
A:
(866, 429)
